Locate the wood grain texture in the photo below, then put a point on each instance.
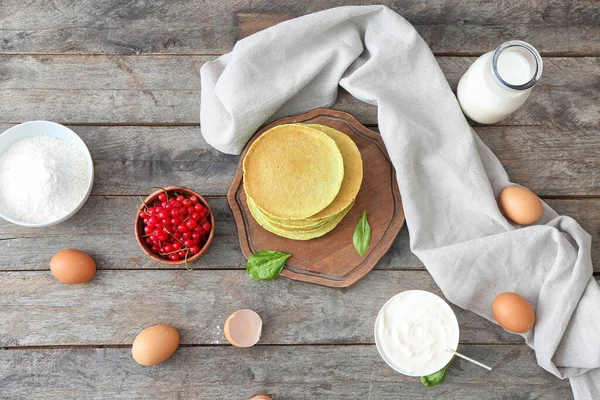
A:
(297, 357)
(129, 160)
(38, 310)
(166, 90)
(209, 27)
(285, 372)
(318, 260)
(104, 229)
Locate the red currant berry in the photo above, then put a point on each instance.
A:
(155, 248)
(175, 221)
(188, 243)
(173, 257)
(198, 207)
(194, 199)
(186, 235)
(194, 250)
(181, 253)
(176, 245)
(180, 198)
(196, 235)
(186, 202)
(162, 197)
(148, 230)
(163, 214)
(163, 236)
(191, 224)
(182, 228)
(206, 226)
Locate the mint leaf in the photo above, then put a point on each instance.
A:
(362, 235)
(266, 265)
(437, 377)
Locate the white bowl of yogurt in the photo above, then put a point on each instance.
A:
(414, 331)
(46, 174)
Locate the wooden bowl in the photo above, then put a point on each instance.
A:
(139, 225)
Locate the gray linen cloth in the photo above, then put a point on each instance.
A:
(449, 180)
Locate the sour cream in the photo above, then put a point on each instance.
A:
(413, 332)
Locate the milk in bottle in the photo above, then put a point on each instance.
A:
(499, 82)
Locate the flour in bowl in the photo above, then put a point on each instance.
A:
(42, 179)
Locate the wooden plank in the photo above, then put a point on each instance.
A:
(130, 160)
(165, 90)
(208, 27)
(284, 372)
(551, 162)
(38, 310)
(104, 229)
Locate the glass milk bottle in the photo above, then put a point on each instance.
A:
(499, 82)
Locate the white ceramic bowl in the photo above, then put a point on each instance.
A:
(35, 128)
(445, 360)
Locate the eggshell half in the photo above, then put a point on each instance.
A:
(513, 312)
(72, 266)
(155, 344)
(243, 328)
(262, 397)
(521, 205)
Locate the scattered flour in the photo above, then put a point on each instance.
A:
(42, 179)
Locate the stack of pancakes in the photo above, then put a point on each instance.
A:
(302, 179)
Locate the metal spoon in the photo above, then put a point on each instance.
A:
(469, 359)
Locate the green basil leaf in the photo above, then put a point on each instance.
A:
(437, 377)
(266, 265)
(362, 235)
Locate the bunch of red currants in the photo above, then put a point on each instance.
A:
(175, 227)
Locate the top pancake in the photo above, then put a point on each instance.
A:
(293, 171)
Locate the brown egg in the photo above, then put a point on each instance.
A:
(513, 312)
(520, 205)
(72, 266)
(155, 344)
(262, 397)
(243, 328)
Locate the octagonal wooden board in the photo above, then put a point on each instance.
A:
(331, 259)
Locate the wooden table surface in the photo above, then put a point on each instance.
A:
(124, 74)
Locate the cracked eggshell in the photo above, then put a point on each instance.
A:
(243, 328)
